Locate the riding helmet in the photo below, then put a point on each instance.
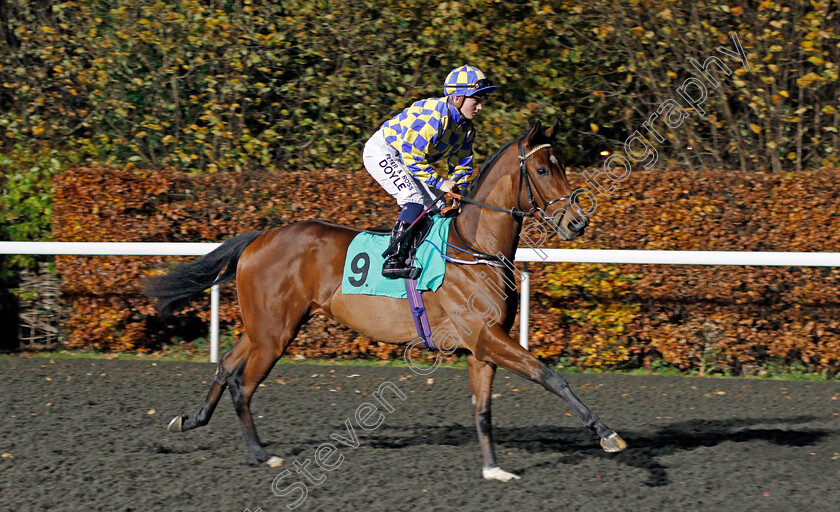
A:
(467, 81)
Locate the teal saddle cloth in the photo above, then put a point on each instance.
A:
(363, 264)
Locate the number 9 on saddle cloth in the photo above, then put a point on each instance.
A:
(364, 260)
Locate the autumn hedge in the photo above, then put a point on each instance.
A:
(740, 319)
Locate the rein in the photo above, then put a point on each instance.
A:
(524, 176)
(516, 213)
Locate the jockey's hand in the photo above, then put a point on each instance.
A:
(449, 186)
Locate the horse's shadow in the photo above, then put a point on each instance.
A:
(577, 445)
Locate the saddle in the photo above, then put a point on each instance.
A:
(364, 259)
(448, 211)
(424, 224)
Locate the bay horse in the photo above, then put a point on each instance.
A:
(286, 275)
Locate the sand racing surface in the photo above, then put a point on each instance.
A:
(82, 434)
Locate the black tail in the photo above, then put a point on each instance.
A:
(185, 282)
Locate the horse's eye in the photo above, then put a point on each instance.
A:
(542, 171)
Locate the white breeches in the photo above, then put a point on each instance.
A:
(384, 164)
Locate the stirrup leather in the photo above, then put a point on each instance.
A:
(396, 264)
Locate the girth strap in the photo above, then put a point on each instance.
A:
(418, 311)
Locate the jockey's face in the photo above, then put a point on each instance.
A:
(472, 106)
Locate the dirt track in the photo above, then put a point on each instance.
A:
(90, 435)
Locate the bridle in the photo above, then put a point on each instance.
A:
(517, 213)
(525, 176)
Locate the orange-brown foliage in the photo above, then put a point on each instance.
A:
(731, 318)
(734, 318)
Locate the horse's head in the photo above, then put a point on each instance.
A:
(543, 186)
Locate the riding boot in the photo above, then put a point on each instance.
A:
(396, 266)
(411, 243)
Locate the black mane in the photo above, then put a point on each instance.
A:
(541, 136)
(488, 164)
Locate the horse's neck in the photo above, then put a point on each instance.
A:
(487, 230)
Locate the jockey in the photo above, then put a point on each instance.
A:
(399, 154)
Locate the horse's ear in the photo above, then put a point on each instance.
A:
(552, 132)
(535, 133)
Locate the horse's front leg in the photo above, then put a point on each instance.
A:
(496, 346)
(481, 381)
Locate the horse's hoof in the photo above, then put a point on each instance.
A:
(613, 443)
(498, 474)
(274, 462)
(176, 424)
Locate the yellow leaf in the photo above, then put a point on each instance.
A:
(755, 128)
(784, 93)
(813, 59)
(805, 81)
(594, 127)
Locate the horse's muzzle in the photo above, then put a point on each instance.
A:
(572, 229)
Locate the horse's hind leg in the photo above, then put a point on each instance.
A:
(481, 381)
(230, 360)
(498, 347)
(242, 384)
(267, 343)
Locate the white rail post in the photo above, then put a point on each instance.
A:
(523, 307)
(214, 324)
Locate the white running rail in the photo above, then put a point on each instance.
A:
(525, 256)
